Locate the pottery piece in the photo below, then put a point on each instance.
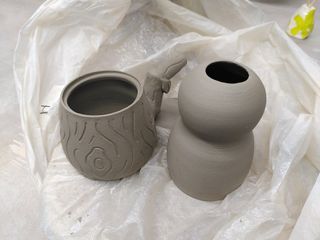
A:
(169, 113)
(211, 146)
(302, 22)
(107, 121)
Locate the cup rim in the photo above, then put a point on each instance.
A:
(71, 86)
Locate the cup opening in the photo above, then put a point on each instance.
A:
(103, 95)
(227, 72)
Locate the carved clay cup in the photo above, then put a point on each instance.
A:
(107, 121)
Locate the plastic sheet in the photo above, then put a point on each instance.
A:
(280, 11)
(64, 39)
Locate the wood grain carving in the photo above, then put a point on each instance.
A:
(112, 148)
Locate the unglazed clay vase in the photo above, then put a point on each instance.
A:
(107, 121)
(210, 148)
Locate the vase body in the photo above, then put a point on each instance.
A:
(211, 146)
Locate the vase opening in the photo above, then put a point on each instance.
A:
(102, 95)
(227, 72)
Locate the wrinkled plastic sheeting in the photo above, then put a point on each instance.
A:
(232, 14)
(64, 39)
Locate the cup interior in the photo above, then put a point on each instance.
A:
(103, 95)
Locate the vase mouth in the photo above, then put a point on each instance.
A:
(227, 72)
(101, 94)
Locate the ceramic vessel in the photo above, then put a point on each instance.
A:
(107, 121)
(210, 148)
(302, 22)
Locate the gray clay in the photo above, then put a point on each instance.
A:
(210, 148)
(107, 121)
(169, 113)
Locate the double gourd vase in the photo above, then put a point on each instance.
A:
(210, 148)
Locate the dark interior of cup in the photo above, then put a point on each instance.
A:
(227, 72)
(102, 96)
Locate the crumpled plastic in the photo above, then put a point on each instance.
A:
(64, 39)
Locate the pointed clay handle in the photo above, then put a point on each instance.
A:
(173, 69)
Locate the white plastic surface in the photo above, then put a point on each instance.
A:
(65, 39)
